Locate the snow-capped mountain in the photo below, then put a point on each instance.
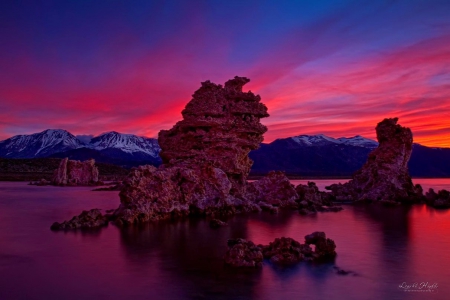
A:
(322, 140)
(128, 143)
(39, 144)
(112, 147)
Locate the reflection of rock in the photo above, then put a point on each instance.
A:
(205, 158)
(87, 219)
(441, 199)
(384, 177)
(312, 200)
(73, 172)
(216, 223)
(243, 253)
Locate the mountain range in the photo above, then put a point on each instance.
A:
(125, 150)
(303, 155)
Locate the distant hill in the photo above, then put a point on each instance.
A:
(303, 155)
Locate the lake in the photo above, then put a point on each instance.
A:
(384, 246)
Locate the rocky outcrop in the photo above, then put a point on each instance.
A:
(285, 251)
(220, 126)
(73, 172)
(205, 158)
(312, 200)
(441, 199)
(384, 177)
(275, 189)
(87, 219)
(243, 253)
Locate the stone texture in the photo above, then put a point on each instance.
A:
(220, 126)
(73, 172)
(286, 251)
(87, 219)
(384, 177)
(243, 253)
(275, 189)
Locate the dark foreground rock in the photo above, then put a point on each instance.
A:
(384, 177)
(74, 173)
(441, 199)
(285, 251)
(243, 253)
(87, 219)
(312, 200)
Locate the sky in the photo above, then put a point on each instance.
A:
(330, 67)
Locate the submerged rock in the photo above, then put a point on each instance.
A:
(384, 177)
(73, 172)
(243, 253)
(87, 219)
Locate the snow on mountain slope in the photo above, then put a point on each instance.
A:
(321, 140)
(128, 143)
(358, 141)
(39, 144)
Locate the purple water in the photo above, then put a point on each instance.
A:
(183, 259)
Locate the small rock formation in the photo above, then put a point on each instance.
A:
(384, 177)
(87, 219)
(205, 158)
(73, 172)
(286, 251)
(275, 189)
(216, 223)
(312, 200)
(325, 247)
(243, 253)
(441, 199)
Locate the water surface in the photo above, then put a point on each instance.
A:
(183, 259)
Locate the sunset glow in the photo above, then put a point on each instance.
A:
(336, 68)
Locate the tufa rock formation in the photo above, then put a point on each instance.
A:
(384, 177)
(205, 158)
(441, 199)
(87, 219)
(73, 172)
(243, 253)
(312, 200)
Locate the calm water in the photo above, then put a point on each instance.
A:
(183, 260)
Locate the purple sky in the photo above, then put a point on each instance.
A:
(332, 67)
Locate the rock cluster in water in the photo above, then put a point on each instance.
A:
(441, 199)
(73, 172)
(87, 219)
(206, 163)
(384, 177)
(243, 253)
